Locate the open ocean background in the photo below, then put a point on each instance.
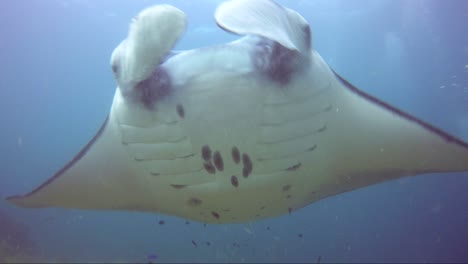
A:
(56, 88)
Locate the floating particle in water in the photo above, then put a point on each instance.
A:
(187, 222)
(194, 243)
(152, 256)
(204, 225)
(161, 222)
(208, 243)
(267, 228)
(319, 259)
(300, 235)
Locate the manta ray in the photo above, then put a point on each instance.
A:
(250, 129)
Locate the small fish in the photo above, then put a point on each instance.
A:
(194, 243)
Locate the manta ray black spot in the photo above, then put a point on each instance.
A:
(323, 128)
(180, 110)
(154, 88)
(209, 168)
(206, 153)
(294, 167)
(234, 181)
(194, 201)
(312, 148)
(215, 215)
(178, 186)
(247, 165)
(286, 188)
(218, 161)
(235, 155)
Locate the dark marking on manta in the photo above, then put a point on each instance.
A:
(286, 188)
(294, 167)
(178, 186)
(307, 36)
(247, 165)
(215, 215)
(209, 168)
(206, 153)
(234, 181)
(323, 128)
(312, 148)
(180, 111)
(154, 88)
(218, 161)
(194, 202)
(274, 61)
(155, 173)
(235, 155)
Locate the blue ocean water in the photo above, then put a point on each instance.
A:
(57, 87)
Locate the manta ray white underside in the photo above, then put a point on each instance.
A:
(255, 128)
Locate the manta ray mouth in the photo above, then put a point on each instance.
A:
(69, 164)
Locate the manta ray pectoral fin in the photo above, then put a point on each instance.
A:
(153, 33)
(375, 142)
(97, 178)
(267, 19)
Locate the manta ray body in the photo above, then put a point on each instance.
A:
(250, 129)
